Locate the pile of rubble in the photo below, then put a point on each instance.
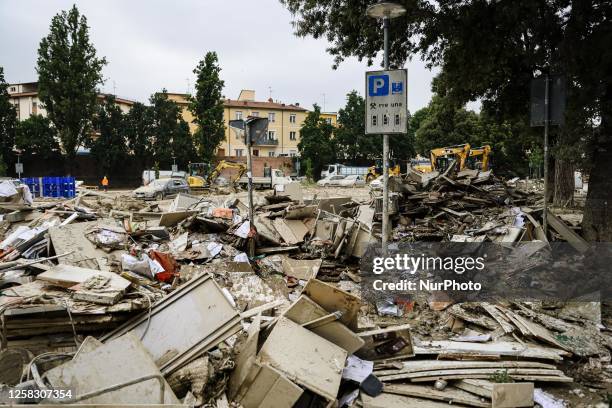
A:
(199, 305)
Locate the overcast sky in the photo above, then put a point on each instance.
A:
(154, 44)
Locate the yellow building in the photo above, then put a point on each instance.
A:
(330, 117)
(284, 123)
(24, 97)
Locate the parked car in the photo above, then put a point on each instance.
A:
(353, 180)
(162, 188)
(330, 181)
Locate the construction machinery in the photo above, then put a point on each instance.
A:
(442, 157)
(376, 170)
(479, 158)
(201, 176)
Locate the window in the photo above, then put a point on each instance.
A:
(293, 153)
(256, 152)
(397, 120)
(34, 108)
(374, 120)
(271, 117)
(13, 89)
(292, 118)
(292, 136)
(271, 134)
(238, 114)
(256, 114)
(328, 121)
(385, 119)
(270, 154)
(239, 152)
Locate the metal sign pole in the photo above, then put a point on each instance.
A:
(546, 116)
(251, 241)
(249, 173)
(385, 217)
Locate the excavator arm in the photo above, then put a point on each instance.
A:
(484, 152)
(224, 164)
(459, 153)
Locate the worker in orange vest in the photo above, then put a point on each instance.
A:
(105, 183)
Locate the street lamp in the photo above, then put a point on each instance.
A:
(385, 11)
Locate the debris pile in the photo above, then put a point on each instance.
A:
(200, 305)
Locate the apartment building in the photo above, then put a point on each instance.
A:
(24, 97)
(284, 123)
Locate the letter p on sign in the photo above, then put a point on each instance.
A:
(378, 85)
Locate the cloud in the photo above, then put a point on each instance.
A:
(152, 44)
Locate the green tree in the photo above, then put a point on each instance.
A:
(354, 145)
(207, 107)
(182, 145)
(68, 73)
(351, 141)
(138, 131)
(109, 147)
(316, 141)
(446, 124)
(8, 123)
(491, 50)
(168, 131)
(37, 136)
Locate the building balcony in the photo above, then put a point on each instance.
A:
(267, 142)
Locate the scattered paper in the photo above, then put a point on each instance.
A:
(357, 369)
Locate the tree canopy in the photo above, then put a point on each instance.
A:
(316, 142)
(37, 136)
(68, 74)
(8, 123)
(207, 107)
(490, 51)
(109, 147)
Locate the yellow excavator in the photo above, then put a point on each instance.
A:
(441, 157)
(479, 158)
(201, 176)
(376, 171)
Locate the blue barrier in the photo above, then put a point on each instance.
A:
(51, 186)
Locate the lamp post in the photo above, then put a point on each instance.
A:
(385, 11)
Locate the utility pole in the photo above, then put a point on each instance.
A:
(385, 220)
(251, 243)
(546, 119)
(386, 11)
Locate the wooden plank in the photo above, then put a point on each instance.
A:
(428, 365)
(498, 316)
(451, 395)
(534, 329)
(516, 377)
(472, 371)
(482, 388)
(511, 395)
(575, 240)
(388, 400)
(472, 317)
(503, 348)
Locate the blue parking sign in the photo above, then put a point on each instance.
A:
(378, 85)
